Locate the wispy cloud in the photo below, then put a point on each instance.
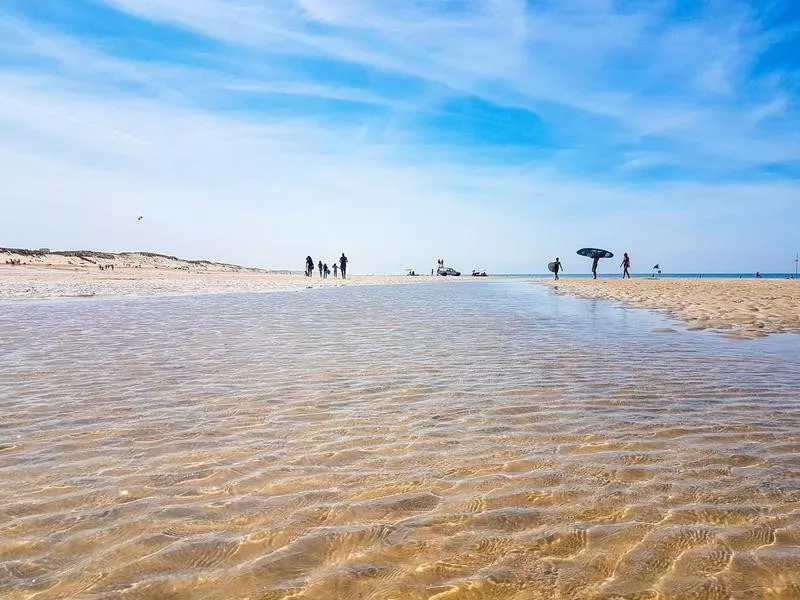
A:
(402, 126)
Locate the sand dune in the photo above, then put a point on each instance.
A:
(79, 260)
(739, 307)
(42, 275)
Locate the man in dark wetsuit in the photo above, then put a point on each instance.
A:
(595, 260)
(309, 266)
(558, 267)
(320, 268)
(343, 266)
(625, 264)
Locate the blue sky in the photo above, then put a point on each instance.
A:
(494, 133)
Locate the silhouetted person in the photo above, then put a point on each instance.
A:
(343, 265)
(595, 260)
(325, 271)
(625, 264)
(309, 266)
(558, 267)
(319, 265)
(335, 269)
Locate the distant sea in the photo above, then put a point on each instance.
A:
(650, 275)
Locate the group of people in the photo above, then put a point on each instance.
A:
(625, 264)
(13, 261)
(324, 270)
(109, 267)
(439, 265)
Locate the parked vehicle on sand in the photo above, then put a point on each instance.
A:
(448, 271)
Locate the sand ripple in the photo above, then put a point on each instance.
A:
(425, 442)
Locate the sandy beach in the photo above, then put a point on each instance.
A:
(77, 274)
(744, 308)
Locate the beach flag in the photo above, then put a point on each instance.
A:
(656, 267)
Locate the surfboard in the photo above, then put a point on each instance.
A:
(593, 252)
(551, 267)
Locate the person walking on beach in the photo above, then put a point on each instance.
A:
(343, 266)
(558, 267)
(320, 268)
(325, 271)
(309, 266)
(595, 260)
(335, 269)
(625, 264)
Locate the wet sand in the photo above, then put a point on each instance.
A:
(137, 274)
(744, 308)
(21, 283)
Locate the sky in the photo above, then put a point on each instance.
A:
(496, 134)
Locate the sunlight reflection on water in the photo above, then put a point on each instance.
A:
(475, 440)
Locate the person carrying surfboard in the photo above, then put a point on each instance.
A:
(557, 266)
(595, 260)
(595, 254)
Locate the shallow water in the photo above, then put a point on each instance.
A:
(462, 441)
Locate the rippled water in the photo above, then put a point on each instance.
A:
(461, 441)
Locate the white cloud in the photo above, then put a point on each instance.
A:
(83, 156)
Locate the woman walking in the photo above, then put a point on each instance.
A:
(625, 264)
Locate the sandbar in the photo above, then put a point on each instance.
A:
(78, 274)
(745, 308)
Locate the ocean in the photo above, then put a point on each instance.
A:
(481, 440)
(649, 275)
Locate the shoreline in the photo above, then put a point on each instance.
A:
(80, 274)
(20, 284)
(737, 308)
